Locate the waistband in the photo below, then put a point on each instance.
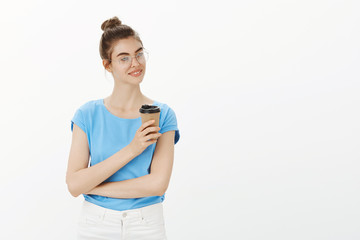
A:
(94, 209)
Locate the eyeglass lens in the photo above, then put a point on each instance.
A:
(140, 56)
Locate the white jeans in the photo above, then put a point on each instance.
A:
(96, 222)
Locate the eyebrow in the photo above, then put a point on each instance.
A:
(125, 53)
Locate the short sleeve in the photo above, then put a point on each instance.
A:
(78, 119)
(170, 123)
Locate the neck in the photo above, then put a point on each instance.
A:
(126, 98)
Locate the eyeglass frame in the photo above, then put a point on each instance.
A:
(130, 62)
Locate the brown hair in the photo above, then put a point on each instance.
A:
(114, 31)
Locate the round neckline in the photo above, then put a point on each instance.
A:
(106, 110)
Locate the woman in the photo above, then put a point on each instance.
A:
(131, 162)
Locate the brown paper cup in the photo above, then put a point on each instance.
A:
(150, 116)
(150, 112)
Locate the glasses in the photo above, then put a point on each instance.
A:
(141, 57)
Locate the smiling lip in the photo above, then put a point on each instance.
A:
(135, 71)
(133, 74)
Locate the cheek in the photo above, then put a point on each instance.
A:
(120, 72)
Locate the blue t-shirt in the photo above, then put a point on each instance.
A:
(107, 134)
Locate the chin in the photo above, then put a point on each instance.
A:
(136, 80)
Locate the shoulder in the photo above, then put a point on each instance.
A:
(168, 120)
(166, 111)
(89, 109)
(164, 107)
(83, 114)
(167, 114)
(90, 105)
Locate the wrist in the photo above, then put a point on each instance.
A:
(96, 190)
(130, 152)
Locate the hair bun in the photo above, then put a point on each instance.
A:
(110, 23)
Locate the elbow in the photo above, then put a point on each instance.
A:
(160, 192)
(74, 194)
(160, 188)
(72, 189)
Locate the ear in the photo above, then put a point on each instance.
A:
(107, 65)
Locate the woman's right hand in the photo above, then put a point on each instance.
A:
(142, 137)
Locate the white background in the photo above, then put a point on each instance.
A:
(266, 95)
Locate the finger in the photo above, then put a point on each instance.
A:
(153, 136)
(146, 124)
(149, 130)
(151, 142)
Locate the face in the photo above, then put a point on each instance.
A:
(124, 61)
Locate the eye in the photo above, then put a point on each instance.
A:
(140, 54)
(125, 59)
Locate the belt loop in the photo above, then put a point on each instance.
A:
(103, 215)
(141, 213)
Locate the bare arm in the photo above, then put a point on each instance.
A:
(144, 186)
(79, 177)
(153, 184)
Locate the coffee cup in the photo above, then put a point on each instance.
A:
(150, 112)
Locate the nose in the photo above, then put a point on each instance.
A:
(136, 62)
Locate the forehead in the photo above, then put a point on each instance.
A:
(128, 45)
